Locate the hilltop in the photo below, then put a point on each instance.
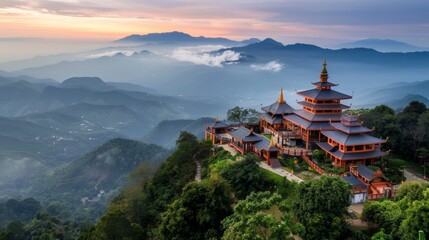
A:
(94, 179)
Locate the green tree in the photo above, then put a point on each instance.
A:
(321, 206)
(422, 138)
(381, 235)
(413, 133)
(384, 121)
(115, 225)
(7, 236)
(245, 176)
(45, 227)
(198, 212)
(392, 168)
(412, 190)
(17, 228)
(251, 219)
(386, 214)
(416, 219)
(186, 137)
(241, 115)
(415, 107)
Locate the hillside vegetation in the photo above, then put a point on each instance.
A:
(235, 200)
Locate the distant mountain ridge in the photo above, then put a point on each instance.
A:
(84, 105)
(93, 83)
(396, 92)
(400, 104)
(384, 45)
(353, 69)
(396, 95)
(166, 132)
(180, 37)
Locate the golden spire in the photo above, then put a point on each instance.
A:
(281, 99)
(272, 143)
(324, 72)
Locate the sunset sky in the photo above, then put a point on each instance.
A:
(323, 22)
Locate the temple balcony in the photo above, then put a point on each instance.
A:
(283, 133)
(239, 147)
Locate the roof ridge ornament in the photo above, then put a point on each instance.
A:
(281, 98)
(272, 143)
(324, 73)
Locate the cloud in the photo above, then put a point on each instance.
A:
(108, 54)
(273, 66)
(75, 8)
(12, 168)
(108, 157)
(205, 55)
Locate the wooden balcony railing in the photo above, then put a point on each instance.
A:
(313, 164)
(282, 134)
(295, 151)
(238, 147)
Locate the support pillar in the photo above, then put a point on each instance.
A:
(308, 140)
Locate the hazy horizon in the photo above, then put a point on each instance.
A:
(25, 24)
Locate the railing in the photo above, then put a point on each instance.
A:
(283, 135)
(353, 171)
(381, 195)
(360, 189)
(240, 149)
(295, 151)
(317, 168)
(375, 196)
(313, 164)
(291, 135)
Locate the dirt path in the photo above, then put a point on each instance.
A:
(198, 175)
(413, 177)
(280, 172)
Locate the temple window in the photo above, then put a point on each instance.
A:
(359, 148)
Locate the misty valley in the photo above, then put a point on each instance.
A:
(103, 143)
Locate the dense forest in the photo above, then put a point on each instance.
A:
(236, 199)
(407, 131)
(407, 134)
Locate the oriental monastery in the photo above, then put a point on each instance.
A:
(319, 124)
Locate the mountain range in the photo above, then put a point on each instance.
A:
(396, 95)
(249, 75)
(45, 125)
(182, 38)
(384, 45)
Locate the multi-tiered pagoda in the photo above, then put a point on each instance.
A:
(272, 117)
(320, 107)
(351, 144)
